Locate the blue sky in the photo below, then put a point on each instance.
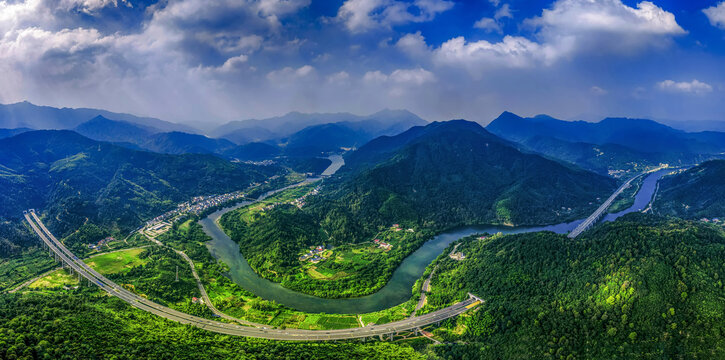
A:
(206, 62)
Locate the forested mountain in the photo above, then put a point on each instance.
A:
(638, 288)
(25, 114)
(428, 178)
(696, 193)
(73, 178)
(4, 133)
(637, 134)
(456, 172)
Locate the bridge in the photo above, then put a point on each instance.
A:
(594, 217)
(382, 331)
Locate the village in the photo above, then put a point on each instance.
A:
(196, 206)
(299, 202)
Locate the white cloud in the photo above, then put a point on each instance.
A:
(289, 73)
(417, 76)
(716, 15)
(566, 29)
(488, 24)
(281, 7)
(375, 77)
(478, 56)
(503, 12)
(233, 63)
(596, 90)
(413, 44)
(363, 15)
(692, 87)
(89, 6)
(339, 77)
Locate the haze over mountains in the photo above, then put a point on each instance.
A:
(618, 142)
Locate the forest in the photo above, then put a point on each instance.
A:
(641, 287)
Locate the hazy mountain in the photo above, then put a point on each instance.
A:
(253, 151)
(696, 193)
(637, 134)
(183, 143)
(601, 158)
(73, 178)
(456, 172)
(103, 129)
(4, 133)
(380, 123)
(25, 114)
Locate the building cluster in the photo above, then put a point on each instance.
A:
(100, 243)
(314, 255)
(714, 221)
(195, 206)
(396, 228)
(382, 244)
(458, 256)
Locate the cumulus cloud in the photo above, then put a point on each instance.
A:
(89, 6)
(363, 15)
(416, 77)
(692, 87)
(716, 15)
(488, 24)
(288, 73)
(503, 12)
(566, 29)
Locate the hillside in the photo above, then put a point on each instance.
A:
(694, 194)
(427, 179)
(72, 178)
(456, 172)
(641, 287)
(640, 135)
(5, 133)
(184, 143)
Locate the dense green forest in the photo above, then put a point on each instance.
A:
(641, 287)
(696, 193)
(77, 180)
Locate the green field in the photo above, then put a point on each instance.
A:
(116, 262)
(111, 263)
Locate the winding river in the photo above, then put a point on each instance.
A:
(398, 289)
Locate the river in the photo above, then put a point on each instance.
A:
(398, 289)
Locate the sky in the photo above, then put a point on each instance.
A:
(205, 62)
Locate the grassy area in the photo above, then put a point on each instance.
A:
(112, 263)
(116, 262)
(55, 280)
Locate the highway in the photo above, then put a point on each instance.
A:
(82, 269)
(594, 217)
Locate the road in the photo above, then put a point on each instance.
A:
(593, 218)
(82, 269)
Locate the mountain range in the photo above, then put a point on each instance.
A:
(25, 114)
(613, 143)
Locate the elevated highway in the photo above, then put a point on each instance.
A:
(594, 217)
(77, 266)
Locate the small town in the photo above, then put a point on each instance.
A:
(195, 206)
